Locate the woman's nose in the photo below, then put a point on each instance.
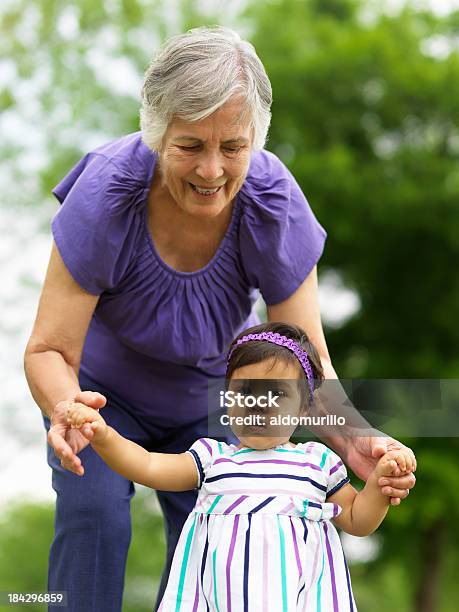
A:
(210, 168)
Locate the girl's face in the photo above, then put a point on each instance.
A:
(278, 380)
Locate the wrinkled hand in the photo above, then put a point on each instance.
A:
(362, 457)
(67, 442)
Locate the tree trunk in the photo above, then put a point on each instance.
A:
(426, 596)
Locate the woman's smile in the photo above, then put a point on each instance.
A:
(208, 193)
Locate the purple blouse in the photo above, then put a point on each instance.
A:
(157, 335)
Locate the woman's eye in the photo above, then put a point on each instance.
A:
(196, 147)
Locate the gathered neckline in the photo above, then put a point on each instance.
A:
(221, 247)
(287, 444)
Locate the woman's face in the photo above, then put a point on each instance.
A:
(211, 154)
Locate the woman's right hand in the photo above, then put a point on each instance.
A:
(68, 442)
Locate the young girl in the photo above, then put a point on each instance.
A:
(261, 537)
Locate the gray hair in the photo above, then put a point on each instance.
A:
(194, 74)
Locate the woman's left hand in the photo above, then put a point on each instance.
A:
(362, 456)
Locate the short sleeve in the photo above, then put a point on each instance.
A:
(97, 224)
(335, 472)
(203, 453)
(280, 238)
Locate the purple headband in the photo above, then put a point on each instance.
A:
(288, 343)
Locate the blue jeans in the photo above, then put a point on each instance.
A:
(92, 521)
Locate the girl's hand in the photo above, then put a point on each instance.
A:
(394, 463)
(79, 414)
(65, 441)
(363, 454)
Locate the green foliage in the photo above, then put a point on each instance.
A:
(367, 120)
(362, 117)
(365, 116)
(26, 533)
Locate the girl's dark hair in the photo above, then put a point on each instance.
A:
(255, 351)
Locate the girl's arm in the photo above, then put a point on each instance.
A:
(162, 471)
(363, 511)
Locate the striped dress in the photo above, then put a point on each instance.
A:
(259, 538)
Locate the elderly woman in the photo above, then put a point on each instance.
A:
(160, 245)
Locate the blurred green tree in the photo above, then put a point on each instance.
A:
(26, 530)
(365, 114)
